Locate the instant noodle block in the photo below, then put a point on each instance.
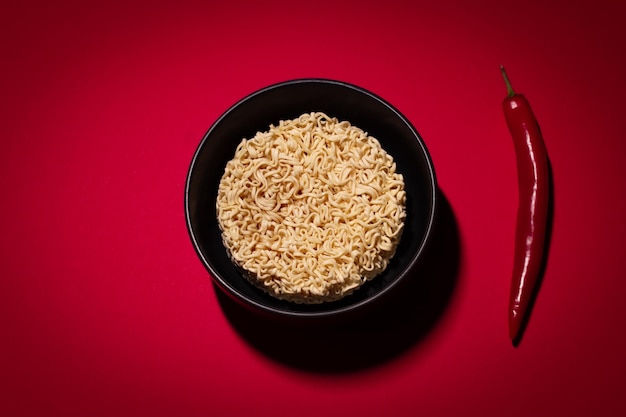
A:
(311, 209)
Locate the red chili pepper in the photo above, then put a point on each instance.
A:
(533, 176)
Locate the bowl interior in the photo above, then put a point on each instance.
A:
(287, 101)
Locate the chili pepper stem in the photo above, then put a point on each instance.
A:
(507, 82)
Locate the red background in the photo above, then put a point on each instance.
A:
(105, 310)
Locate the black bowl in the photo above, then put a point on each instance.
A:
(289, 100)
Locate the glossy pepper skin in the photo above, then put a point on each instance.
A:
(533, 176)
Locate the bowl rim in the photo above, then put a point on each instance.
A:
(257, 306)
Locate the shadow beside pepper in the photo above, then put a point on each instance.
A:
(374, 337)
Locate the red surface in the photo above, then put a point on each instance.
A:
(105, 309)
